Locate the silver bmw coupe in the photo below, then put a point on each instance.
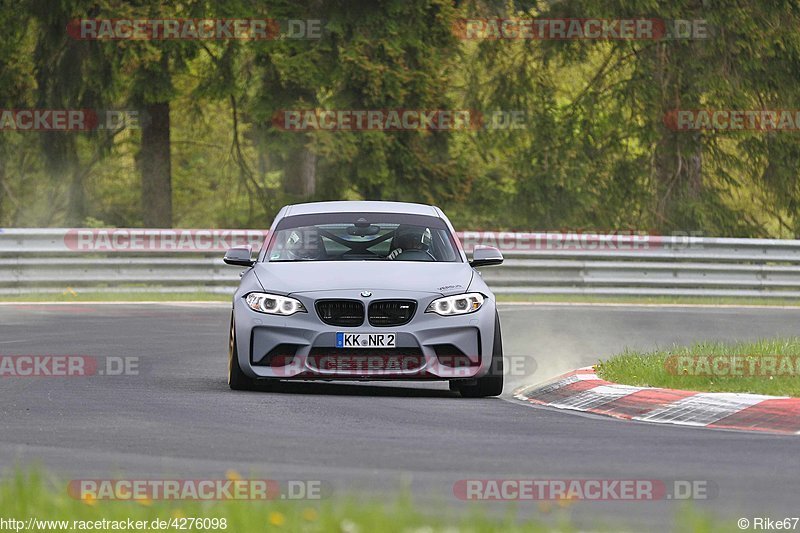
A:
(364, 291)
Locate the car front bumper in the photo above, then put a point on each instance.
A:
(302, 346)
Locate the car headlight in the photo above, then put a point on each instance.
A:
(272, 304)
(460, 304)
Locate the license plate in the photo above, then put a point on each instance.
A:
(365, 340)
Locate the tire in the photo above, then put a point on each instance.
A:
(238, 380)
(492, 383)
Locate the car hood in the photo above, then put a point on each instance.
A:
(307, 276)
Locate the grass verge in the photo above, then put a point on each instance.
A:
(769, 366)
(31, 495)
(99, 296)
(40, 498)
(657, 300)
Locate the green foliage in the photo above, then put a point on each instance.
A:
(664, 368)
(38, 495)
(592, 152)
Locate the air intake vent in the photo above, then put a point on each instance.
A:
(391, 312)
(281, 355)
(347, 313)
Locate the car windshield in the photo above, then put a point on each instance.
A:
(362, 237)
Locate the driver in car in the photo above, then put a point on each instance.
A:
(409, 239)
(305, 244)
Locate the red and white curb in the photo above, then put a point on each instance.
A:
(582, 390)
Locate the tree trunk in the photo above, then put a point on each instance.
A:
(155, 167)
(76, 199)
(678, 169)
(301, 173)
(2, 190)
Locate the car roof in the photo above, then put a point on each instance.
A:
(360, 206)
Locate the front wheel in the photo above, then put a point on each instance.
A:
(492, 383)
(238, 380)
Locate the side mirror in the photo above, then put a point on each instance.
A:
(486, 256)
(239, 256)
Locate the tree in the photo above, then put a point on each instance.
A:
(70, 74)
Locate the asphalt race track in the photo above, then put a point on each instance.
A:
(178, 419)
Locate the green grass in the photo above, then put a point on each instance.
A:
(659, 300)
(99, 296)
(663, 368)
(33, 494)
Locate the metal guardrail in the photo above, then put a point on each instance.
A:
(136, 260)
